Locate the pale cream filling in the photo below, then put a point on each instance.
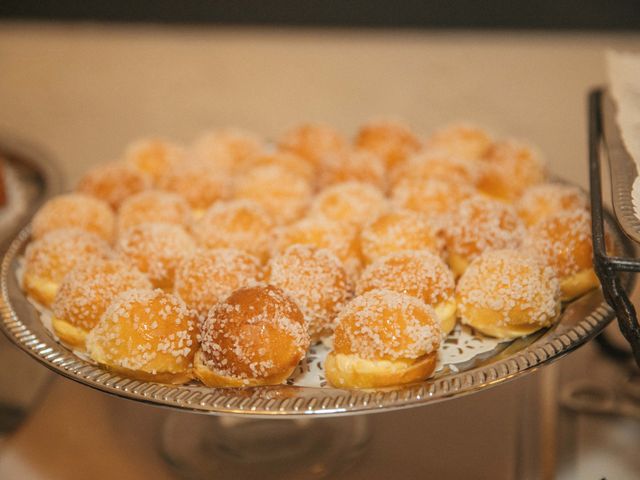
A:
(353, 363)
(69, 333)
(45, 289)
(446, 312)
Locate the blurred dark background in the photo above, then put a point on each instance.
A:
(478, 14)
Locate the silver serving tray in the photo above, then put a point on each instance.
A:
(579, 322)
(623, 170)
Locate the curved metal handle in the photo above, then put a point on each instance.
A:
(607, 267)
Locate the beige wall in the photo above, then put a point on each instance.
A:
(85, 90)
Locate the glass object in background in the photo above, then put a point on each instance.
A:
(21, 384)
(198, 446)
(30, 176)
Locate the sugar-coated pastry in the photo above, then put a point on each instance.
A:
(461, 140)
(435, 198)
(284, 195)
(113, 182)
(418, 273)
(208, 276)
(74, 210)
(383, 338)
(50, 258)
(478, 225)
(509, 168)
(146, 334)
(353, 165)
(564, 241)
(439, 165)
(240, 224)
(392, 140)
(287, 160)
(223, 261)
(541, 201)
(197, 183)
(508, 294)
(352, 202)
(313, 141)
(256, 336)
(396, 231)
(86, 292)
(226, 149)
(156, 249)
(154, 206)
(340, 238)
(154, 156)
(316, 280)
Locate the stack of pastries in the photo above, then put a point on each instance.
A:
(223, 261)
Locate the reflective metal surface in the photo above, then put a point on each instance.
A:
(611, 265)
(623, 169)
